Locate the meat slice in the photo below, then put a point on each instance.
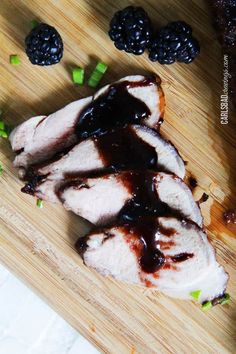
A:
(172, 255)
(129, 195)
(39, 138)
(133, 147)
(24, 132)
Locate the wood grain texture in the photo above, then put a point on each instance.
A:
(37, 245)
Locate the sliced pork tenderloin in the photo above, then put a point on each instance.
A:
(39, 138)
(24, 132)
(129, 195)
(171, 255)
(133, 147)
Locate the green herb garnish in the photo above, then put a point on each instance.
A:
(34, 23)
(1, 169)
(196, 294)
(3, 134)
(101, 67)
(14, 59)
(78, 76)
(2, 125)
(225, 299)
(206, 305)
(97, 74)
(5, 129)
(39, 203)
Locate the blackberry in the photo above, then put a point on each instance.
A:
(44, 45)
(130, 29)
(173, 43)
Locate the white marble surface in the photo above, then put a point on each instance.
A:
(29, 326)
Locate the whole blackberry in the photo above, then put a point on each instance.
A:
(130, 29)
(173, 43)
(44, 45)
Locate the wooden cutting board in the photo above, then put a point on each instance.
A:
(38, 244)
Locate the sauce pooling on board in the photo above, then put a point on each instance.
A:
(123, 149)
(116, 107)
(229, 216)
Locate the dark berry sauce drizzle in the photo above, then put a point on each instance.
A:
(114, 108)
(145, 200)
(122, 149)
(139, 215)
(151, 258)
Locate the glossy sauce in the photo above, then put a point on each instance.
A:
(203, 198)
(150, 257)
(192, 182)
(81, 245)
(116, 107)
(30, 187)
(122, 149)
(145, 200)
(138, 218)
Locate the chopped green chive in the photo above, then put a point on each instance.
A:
(78, 76)
(3, 134)
(92, 83)
(101, 67)
(14, 59)
(39, 203)
(5, 130)
(2, 125)
(97, 74)
(225, 299)
(34, 23)
(1, 169)
(196, 294)
(206, 305)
